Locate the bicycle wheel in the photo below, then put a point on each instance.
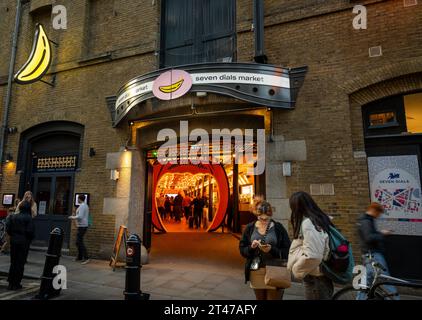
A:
(346, 293)
(2, 232)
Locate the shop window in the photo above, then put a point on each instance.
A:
(195, 31)
(413, 111)
(384, 119)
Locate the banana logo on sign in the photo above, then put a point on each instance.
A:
(173, 87)
(39, 61)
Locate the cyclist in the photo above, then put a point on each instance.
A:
(372, 245)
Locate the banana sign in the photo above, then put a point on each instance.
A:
(39, 61)
(172, 85)
(259, 84)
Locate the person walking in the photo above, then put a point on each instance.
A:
(198, 208)
(310, 246)
(263, 242)
(177, 207)
(21, 231)
(172, 207)
(160, 204)
(186, 206)
(167, 207)
(81, 217)
(373, 247)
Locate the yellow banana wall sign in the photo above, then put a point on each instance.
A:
(39, 61)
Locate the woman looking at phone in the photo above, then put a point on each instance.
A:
(263, 242)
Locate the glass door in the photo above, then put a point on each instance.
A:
(53, 194)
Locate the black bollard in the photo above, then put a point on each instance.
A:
(133, 270)
(52, 259)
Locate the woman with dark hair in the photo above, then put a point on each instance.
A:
(310, 246)
(20, 228)
(263, 243)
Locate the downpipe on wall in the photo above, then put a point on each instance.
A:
(8, 99)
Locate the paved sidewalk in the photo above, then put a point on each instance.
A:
(96, 280)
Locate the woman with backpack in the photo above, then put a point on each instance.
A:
(264, 243)
(311, 227)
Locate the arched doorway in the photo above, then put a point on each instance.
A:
(49, 156)
(393, 145)
(207, 182)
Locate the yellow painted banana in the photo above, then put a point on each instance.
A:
(173, 87)
(39, 61)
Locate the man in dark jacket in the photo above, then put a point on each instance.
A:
(372, 245)
(198, 210)
(177, 207)
(20, 228)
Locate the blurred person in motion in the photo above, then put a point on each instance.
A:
(373, 246)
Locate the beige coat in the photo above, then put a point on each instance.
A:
(307, 252)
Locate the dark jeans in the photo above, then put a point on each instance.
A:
(177, 212)
(18, 255)
(269, 294)
(187, 212)
(82, 253)
(197, 216)
(370, 273)
(162, 212)
(318, 288)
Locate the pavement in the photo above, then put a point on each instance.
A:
(191, 266)
(182, 266)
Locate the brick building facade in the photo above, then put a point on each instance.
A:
(109, 42)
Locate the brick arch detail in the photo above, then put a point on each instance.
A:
(379, 75)
(403, 84)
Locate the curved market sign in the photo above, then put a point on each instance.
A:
(258, 84)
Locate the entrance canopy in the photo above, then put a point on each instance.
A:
(258, 84)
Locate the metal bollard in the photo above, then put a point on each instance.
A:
(52, 259)
(133, 270)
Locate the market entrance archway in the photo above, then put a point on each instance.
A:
(207, 181)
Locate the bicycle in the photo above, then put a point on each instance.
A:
(2, 231)
(375, 291)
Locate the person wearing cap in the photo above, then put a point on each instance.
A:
(262, 242)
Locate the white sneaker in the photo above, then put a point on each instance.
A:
(86, 261)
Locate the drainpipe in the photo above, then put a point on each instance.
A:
(10, 82)
(258, 27)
